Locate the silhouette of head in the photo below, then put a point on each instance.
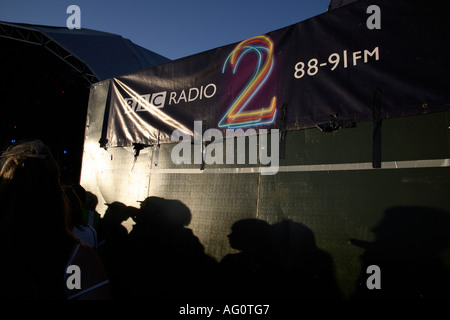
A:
(33, 223)
(29, 183)
(408, 240)
(91, 201)
(411, 228)
(291, 241)
(118, 212)
(74, 209)
(417, 228)
(81, 193)
(165, 212)
(294, 234)
(249, 234)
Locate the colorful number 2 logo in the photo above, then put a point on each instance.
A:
(237, 116)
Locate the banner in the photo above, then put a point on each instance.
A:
(326, 69)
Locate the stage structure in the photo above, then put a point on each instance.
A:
(342, 120)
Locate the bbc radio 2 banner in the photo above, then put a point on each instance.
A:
(297, 77)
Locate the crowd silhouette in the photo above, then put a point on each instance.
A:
(162, 258)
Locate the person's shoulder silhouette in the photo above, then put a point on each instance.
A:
(85, 234)
(302, 264)
(407, 247)
(246, 273)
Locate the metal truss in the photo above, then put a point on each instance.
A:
(34, 37)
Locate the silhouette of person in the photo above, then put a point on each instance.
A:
(303, 271)
(112, 231)
(408, 241)
(167, 260)
(86, 234)
(279, 261)
(36, 246)
(113, 238)
(246, 273)
(89, 202)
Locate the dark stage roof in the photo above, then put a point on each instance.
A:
(46, 74)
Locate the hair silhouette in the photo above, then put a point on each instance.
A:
(35, 243)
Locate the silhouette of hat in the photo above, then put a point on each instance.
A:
(412, 228)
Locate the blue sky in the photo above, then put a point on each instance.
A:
(172, 28)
